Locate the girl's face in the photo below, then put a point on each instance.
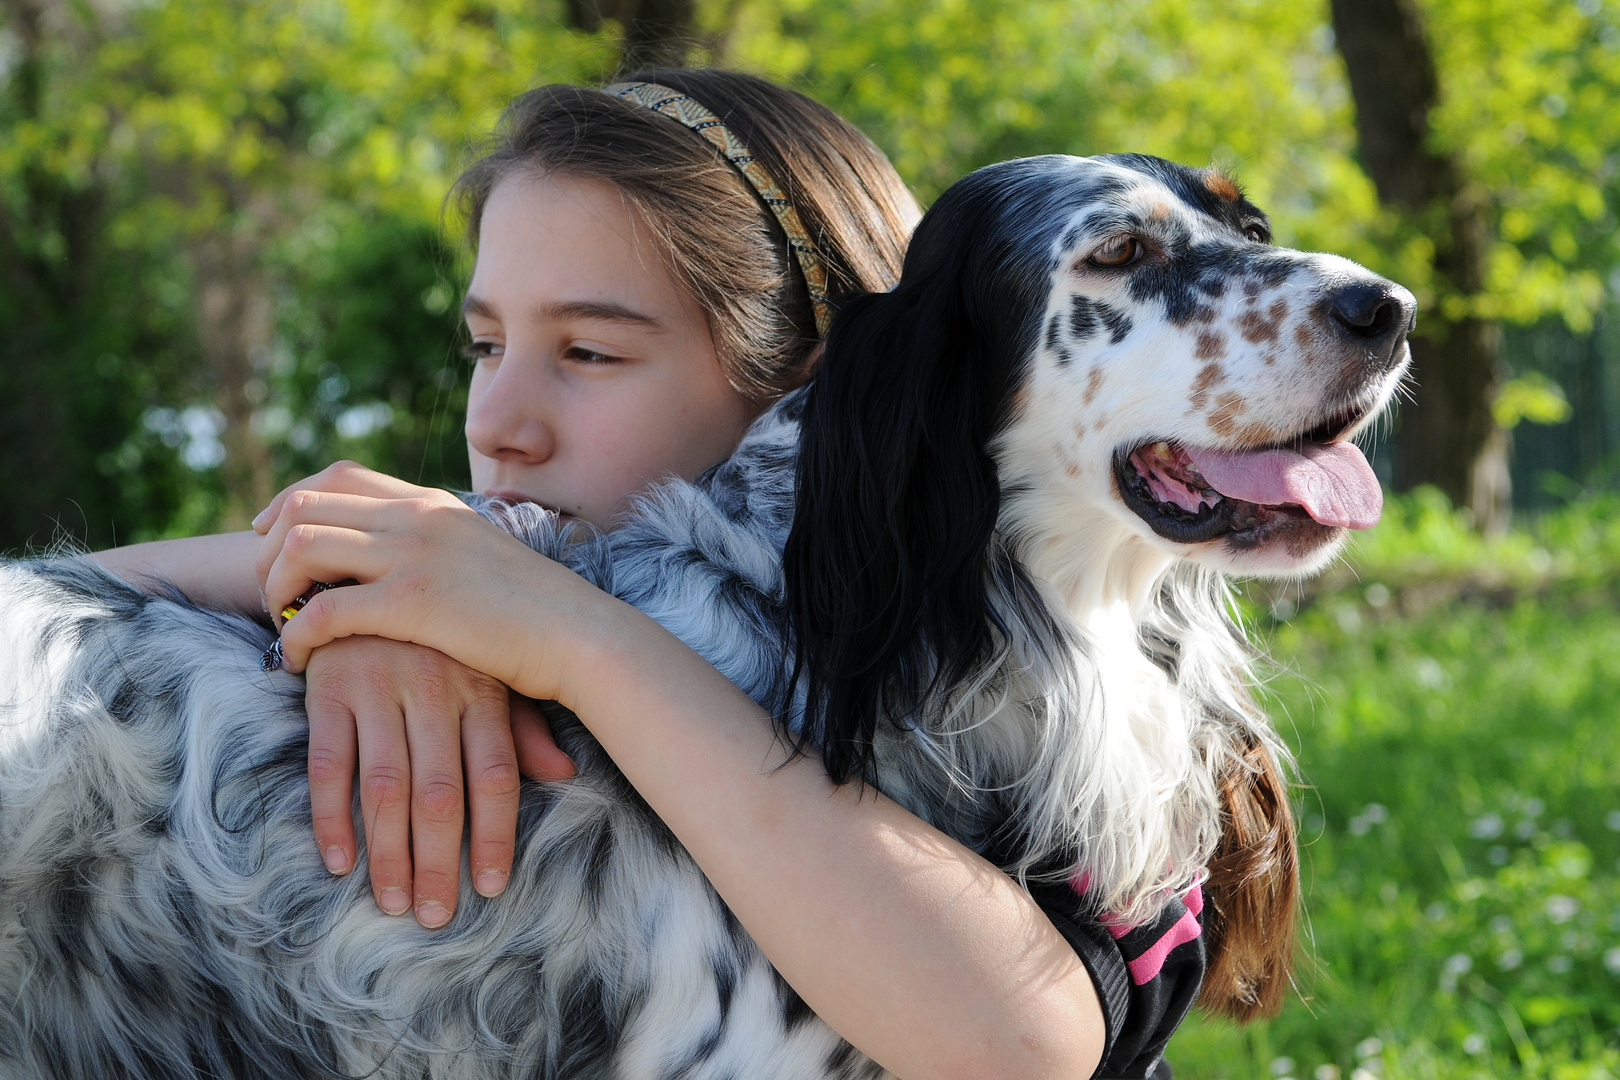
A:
(596, 373)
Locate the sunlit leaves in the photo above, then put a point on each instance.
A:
(1528, 105)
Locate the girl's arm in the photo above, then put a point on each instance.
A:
(923, 955)
(214, 571)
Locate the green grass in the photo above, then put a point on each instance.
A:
(1453, 704)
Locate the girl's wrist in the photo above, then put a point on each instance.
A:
(609, 642)
(583, 637)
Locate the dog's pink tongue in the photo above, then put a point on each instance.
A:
(1331, 481)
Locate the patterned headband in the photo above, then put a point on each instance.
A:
(680, 107)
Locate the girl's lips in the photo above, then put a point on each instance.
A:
(511, 497)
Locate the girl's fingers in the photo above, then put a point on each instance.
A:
(322, 553)
(438, 801)
(314, 509)
(385, 804)
(538, 755)
(341, 476)
(360, 610)
(333, 750)
(492, 787)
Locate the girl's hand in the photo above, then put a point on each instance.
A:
(415, 716)
(428, 570)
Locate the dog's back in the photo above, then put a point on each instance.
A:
(164, 913)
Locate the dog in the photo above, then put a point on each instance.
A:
(978, 562)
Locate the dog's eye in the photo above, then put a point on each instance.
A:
(1258, 234)
(1117, 253)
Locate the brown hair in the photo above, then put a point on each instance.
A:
(1253, 891)
(716, 236)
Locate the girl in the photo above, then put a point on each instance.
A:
(632, 309)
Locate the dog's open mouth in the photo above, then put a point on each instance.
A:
(1305, 489)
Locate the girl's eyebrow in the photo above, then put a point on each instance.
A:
(601, 310)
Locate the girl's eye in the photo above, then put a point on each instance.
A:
(1117, 253)
(482, 350)
(590, 356)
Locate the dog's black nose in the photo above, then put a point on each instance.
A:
(1373, 311)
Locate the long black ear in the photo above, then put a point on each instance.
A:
(885, 568)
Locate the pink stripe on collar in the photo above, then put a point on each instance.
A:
(1145, 968)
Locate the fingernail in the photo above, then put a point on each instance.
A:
(262, 517)
(490, 882)
(432, 914)
(394, 900)
(336, 859)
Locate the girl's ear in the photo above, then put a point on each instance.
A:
(897, 500)
(805, 368)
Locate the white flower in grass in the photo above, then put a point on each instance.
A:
(1562, 908)
(1475, 1044)
(1372, 814)
(1282, 1066)
(1611, 960)
(1428, 672)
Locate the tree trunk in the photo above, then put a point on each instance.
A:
(1447, 436)
(42, 496)
(657, 33)
(235, 327)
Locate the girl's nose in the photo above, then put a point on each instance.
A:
(506, 418)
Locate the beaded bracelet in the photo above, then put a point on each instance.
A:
(272, 658)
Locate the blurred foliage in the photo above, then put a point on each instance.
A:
(164, 162)
(1451, 702)
(1532, 396)
(290, 156)
(1528, 91)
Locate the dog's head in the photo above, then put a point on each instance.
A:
(1195, 383)
(1101, 346)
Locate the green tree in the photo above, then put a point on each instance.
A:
(202, 200)
(1507, 228)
